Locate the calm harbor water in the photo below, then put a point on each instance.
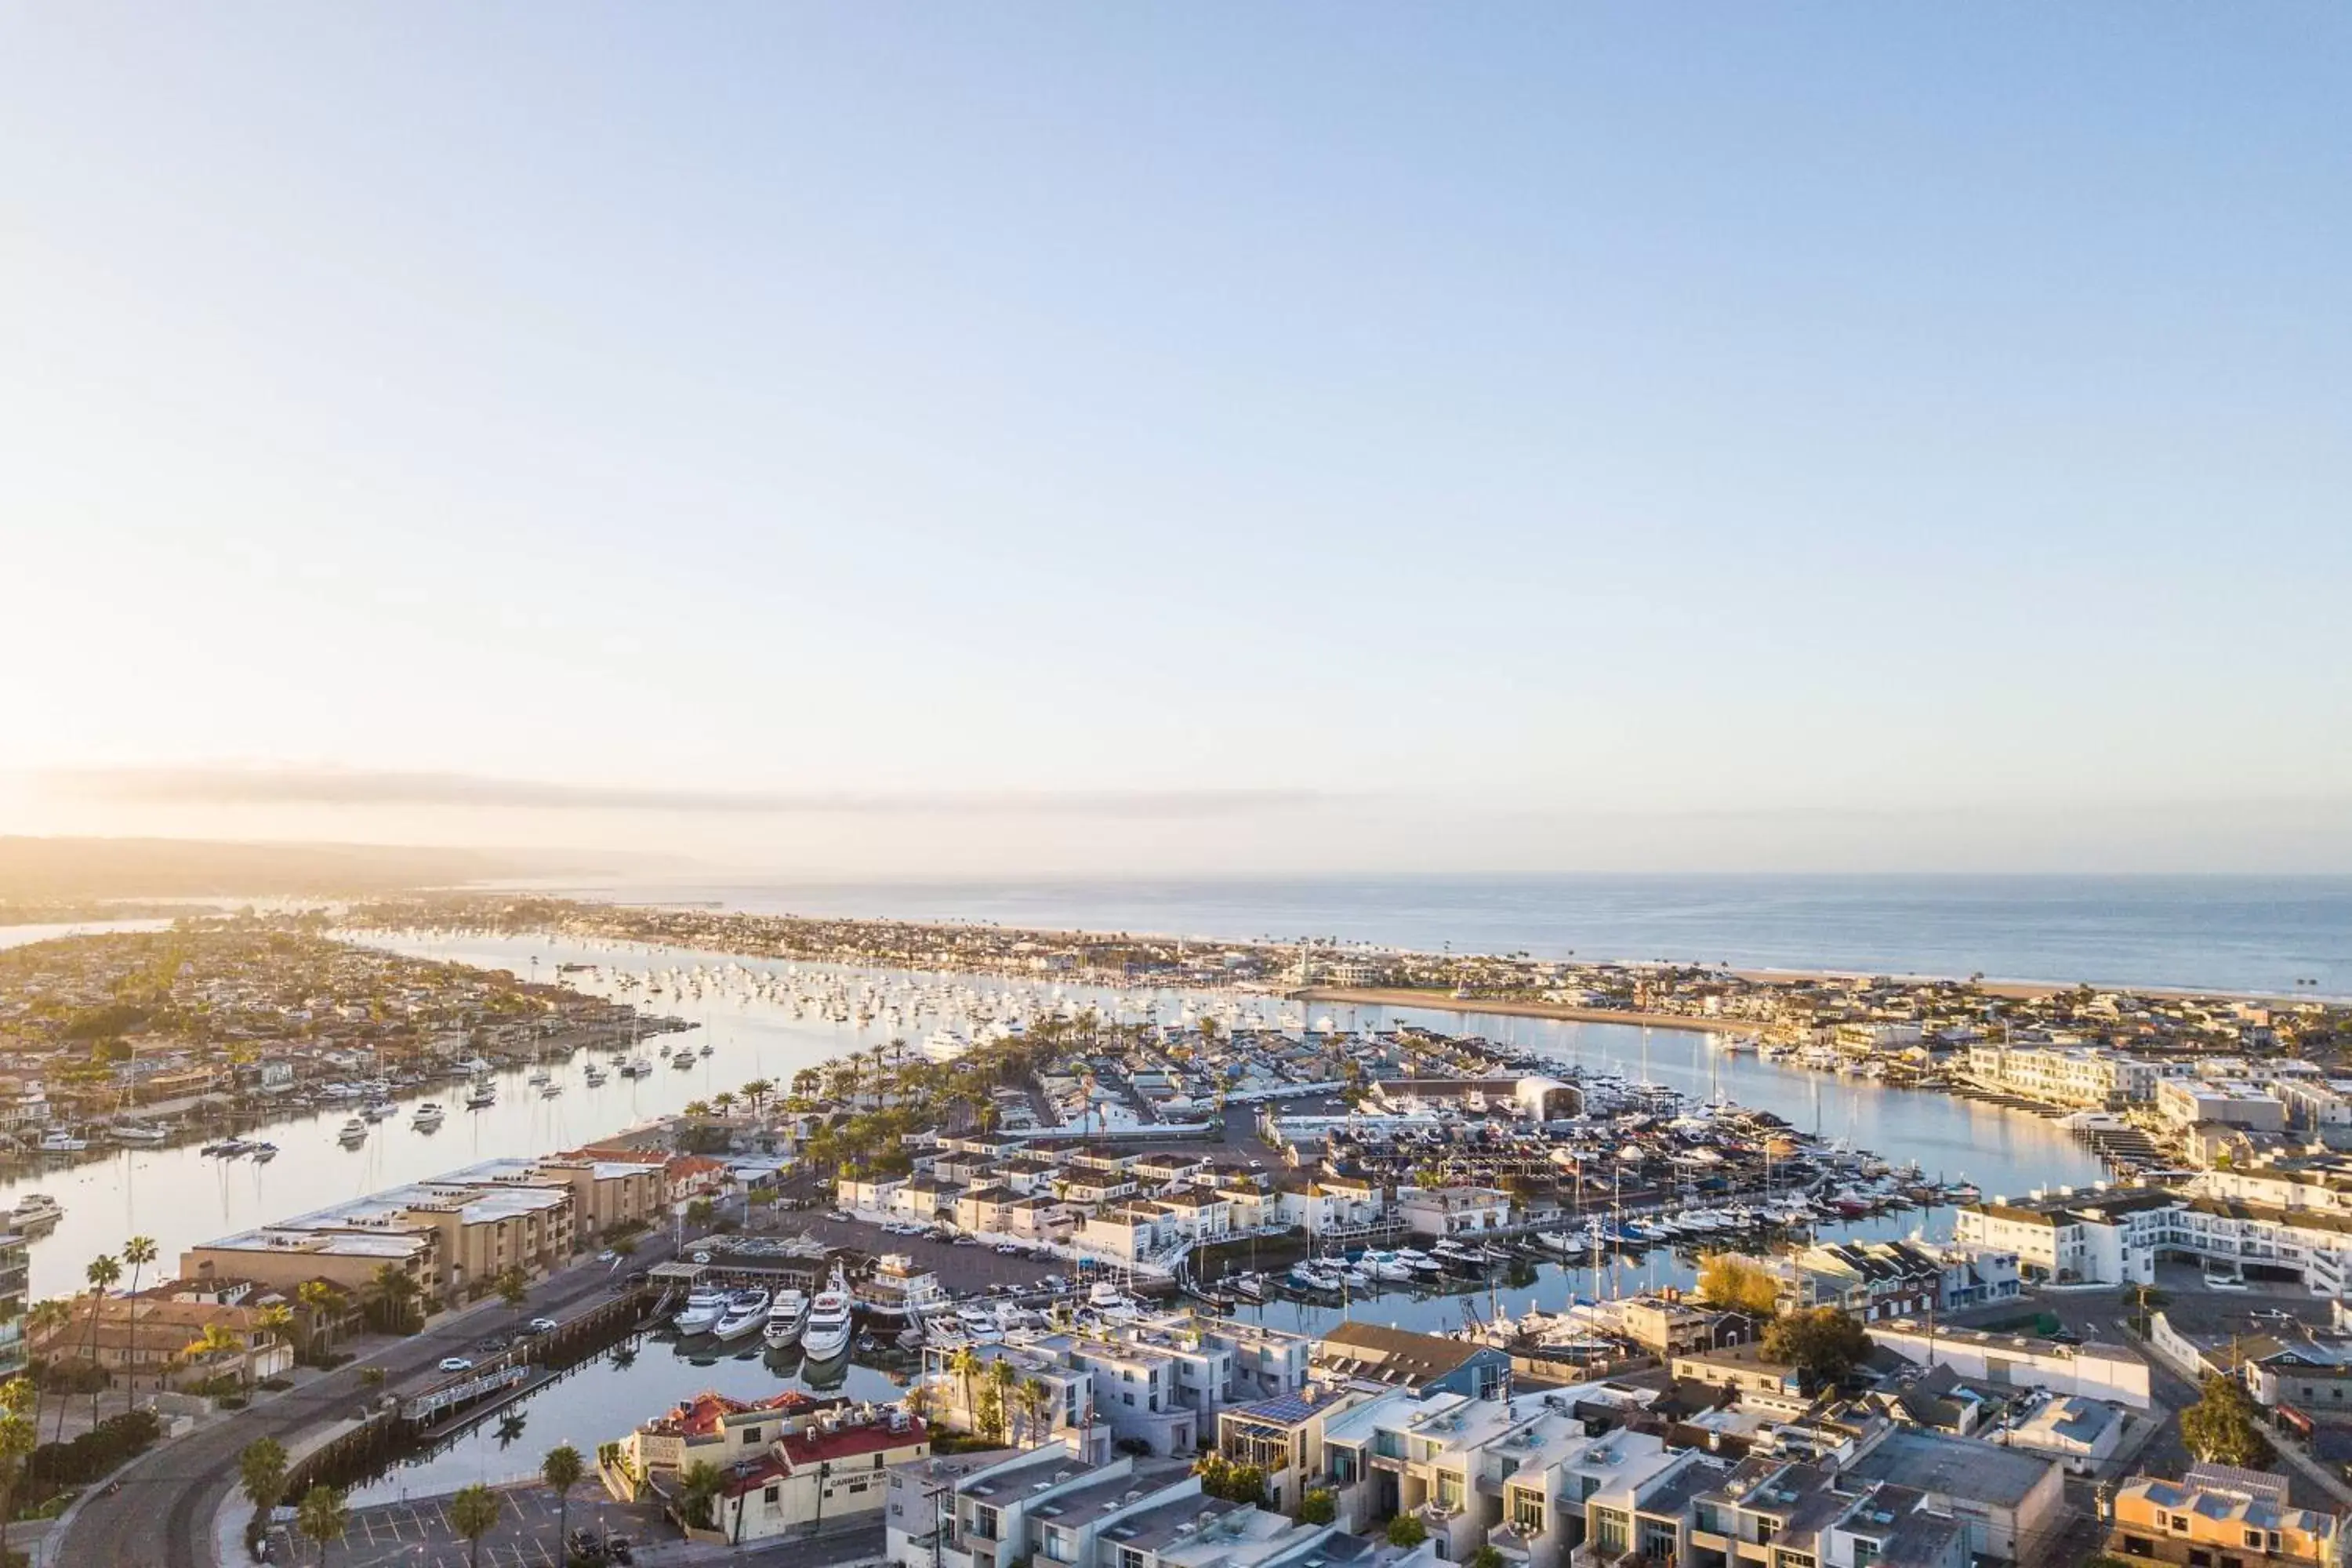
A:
(179, 1197)
(2234, 934)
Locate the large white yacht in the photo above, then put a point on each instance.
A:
(786, 1319)
(828, 1331)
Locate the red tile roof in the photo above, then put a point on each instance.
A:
(703, 1416)
(810, 1448)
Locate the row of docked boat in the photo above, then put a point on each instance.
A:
(820, 1326)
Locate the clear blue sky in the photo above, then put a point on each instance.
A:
(1313, 436)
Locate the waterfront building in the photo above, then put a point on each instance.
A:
(1671, 1324)
(604, 1193)
(1425, 1362)
(1066, 1417)
(2186, 1101)
(821, 1470)
(2086, 1076)
(2157, 1523)
(710, 1428)
(1453, 1211)
(2096, 1238)
(318, 1247)
(15, 1265)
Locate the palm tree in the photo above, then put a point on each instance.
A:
(1001, 1378)
(697, 1487)
(1034, 1397)
(261, 1471)
(277, 1321)
(393, 1292)
(723, 1102)
(319, 1301)
(138, 1252)
(473, 1513)
(216, 1340)
(322, 1517)
(44, 1322)
(964, 1364)
(561, 1469)
(102, 1272)
(19, 1438)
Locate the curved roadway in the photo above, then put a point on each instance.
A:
(164, 1516)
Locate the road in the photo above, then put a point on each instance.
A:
(163, 1517)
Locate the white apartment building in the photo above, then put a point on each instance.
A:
(2092, 1238)
(2089, 1076)
(2185, 1102)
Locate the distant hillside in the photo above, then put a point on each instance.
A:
(38, 868)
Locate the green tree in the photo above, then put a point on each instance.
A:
(1221, 1478)
(102, 1272)
(513, 1287)
(391, 1299)
(697, 1490)
(261, 1473)
(2221, 1426)
(1035, 1400)
(321, 1517)
(1319, 1505)
(1485, 1557)
(474, 1513)
(1823, 1342)
(1739, 1284)
(699, 1212)
(562, 1470)
(20, 1433)
(1406, 1532)
(320, 1301)
(965, 1364)
(138, 1252)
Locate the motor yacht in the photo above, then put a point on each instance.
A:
(61, 1143)
(355, 1131)
(683, 1059)
(827, 1332)
(34, 1212)
(746, 1310)
(379, 1110)
(636, 1067)
(264, 1153)
(595, 1076)
(786, 1318)
(429, 1116)
(481, 1096)
(704, 1304)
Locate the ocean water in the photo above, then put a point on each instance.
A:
(2274, 935)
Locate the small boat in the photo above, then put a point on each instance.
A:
(35, 1212)
(481, 1097)
(265, 1153)
(539, 1075)
(355, 1131)
(636, 1067)
(786, 1319)
(683, 1059)
(705, 1047)
(61, 1143)
(703, 1305)
(595, 1076)
(136, 1133)
(429, 1116)
(746, 1310)
(378, 1110)
(827, 1332)
(550, 1090)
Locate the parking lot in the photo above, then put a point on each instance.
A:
(418, 1535)
(963, 1270)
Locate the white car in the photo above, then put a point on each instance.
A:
(542, 1325)
(455, 1363)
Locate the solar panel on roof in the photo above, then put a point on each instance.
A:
(1281, 1407)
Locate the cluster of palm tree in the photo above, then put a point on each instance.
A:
(1008, 1403)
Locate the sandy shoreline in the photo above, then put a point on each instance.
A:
(1440, 1001)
